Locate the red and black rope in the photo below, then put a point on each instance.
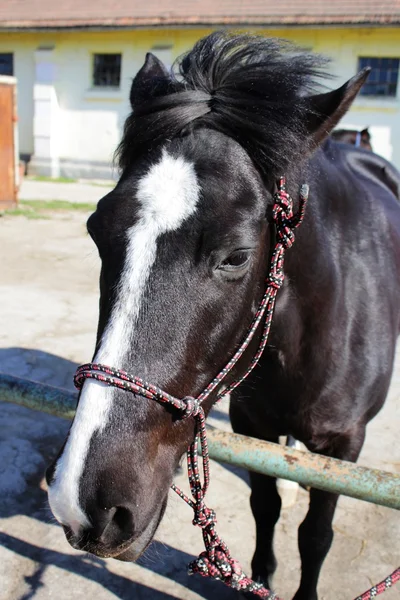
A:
(381, 587)
(216, 561)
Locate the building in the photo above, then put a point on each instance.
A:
(75, 61)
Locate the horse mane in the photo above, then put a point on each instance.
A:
(248, 87)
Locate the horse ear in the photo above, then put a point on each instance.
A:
(326, 110)
(151, 80)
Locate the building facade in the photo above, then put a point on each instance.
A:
(74, 83)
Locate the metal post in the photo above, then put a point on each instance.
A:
(339, 477)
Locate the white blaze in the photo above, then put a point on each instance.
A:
(167, 195)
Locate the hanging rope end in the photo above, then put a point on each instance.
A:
(304, 192)
(222, 567)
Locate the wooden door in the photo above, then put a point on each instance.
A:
(7, 147)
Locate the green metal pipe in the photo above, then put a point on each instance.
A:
(38, 396)
(314, 470)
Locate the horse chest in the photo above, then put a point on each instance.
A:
(281, 400)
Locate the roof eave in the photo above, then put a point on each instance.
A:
(204, 21)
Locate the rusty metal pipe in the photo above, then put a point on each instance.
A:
(339, 477)
(314, 470)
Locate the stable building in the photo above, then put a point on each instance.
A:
(74, 63)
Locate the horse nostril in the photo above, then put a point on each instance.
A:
(123, 519)
(116, 528)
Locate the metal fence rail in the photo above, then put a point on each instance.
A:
(372, 485)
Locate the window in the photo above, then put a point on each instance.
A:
(107, 70)
(383, 77)
(6, 64)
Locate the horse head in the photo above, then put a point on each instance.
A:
(184, 241)
(360, 139)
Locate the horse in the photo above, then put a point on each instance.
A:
(185, 241)
(360, 139)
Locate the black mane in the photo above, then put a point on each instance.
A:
(248, 87)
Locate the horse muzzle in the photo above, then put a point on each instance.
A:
(121, 545)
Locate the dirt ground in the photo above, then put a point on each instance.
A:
(48, 289)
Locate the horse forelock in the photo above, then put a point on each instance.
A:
(247, 87)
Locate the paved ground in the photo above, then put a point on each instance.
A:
(79, 191)
(48, 287)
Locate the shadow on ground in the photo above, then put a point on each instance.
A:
(40, 366)
(96, 569)
(29, 441)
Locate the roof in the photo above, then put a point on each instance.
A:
(134, 13)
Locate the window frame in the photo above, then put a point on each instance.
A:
(10, 54)
(105, 86)
(371, 87)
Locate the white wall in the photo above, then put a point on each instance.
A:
(91, 120)
(24, 71)
(382, 115)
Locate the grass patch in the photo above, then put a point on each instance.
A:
(41, 209)
(24, 212)
(52, 179)
(56, 205)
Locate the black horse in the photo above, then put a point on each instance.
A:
(359, 138)
(185, 242)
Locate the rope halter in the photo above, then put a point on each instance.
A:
(216, 561)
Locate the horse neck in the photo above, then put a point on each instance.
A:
(306, 266)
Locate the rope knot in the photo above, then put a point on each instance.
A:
(224, 568)
(276, 275)
(221, 566)
(191, 408)
(282, 213)
(204, 517)
(275, 280)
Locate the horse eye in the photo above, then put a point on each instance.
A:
(236, 260)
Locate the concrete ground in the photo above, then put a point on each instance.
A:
(79, 191)
(48, 290)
